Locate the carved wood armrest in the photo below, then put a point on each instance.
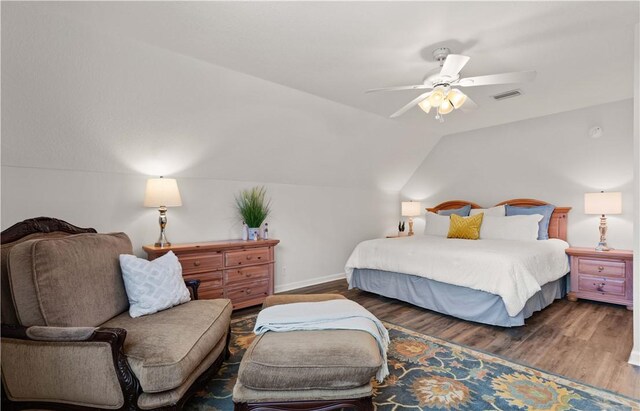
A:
(193, 284)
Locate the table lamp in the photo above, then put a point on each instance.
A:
(603, 203)
(162, 193)
(410, 209)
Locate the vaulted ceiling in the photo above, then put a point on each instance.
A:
(231, 86)
(582, 51)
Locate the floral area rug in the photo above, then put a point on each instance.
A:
(428, 373)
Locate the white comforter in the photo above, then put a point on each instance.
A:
(514, 270)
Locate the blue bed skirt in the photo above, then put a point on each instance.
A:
(461, 302)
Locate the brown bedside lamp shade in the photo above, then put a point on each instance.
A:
(162, 193)
(603, 203)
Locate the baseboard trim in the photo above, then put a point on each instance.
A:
(634, 358)
(306, 283)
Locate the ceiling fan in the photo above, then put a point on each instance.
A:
(443, 97)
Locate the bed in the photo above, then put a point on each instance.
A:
(497, 282)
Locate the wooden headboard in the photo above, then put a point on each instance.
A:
(448, 205)
(557, 224)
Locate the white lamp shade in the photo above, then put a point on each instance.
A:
(411, 208)
(162, 192)
(425, 105)
(603, 203)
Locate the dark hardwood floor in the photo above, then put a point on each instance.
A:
(585, 341)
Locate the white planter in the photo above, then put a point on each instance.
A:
(254, 233)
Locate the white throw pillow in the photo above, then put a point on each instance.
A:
(498, 211)
(516, 227)
(437, 224)
(153, 286)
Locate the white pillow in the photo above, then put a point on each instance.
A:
(516, 227)
(153, 286)
(498, 211)
(437, 224)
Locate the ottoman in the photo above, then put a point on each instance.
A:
(297, 370)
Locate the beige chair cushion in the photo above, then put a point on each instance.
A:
(306, 360)
(147, 401)
(299, 298)
(73, 281)
(8, 310)
(163, 349)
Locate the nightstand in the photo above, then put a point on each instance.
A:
(601, 275)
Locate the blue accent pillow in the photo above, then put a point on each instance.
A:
(462, 211)
(545, 211)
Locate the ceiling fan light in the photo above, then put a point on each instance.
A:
(457, 98)
(435, 99)
(424, 105)
(445, 107)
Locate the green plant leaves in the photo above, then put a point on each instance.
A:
(252, 206)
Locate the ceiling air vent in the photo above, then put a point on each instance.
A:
(507, 94)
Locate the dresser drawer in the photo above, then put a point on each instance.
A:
(257, 289)
(210, 293)
(602, 285)
(210, 277)
(601, 267)
(246, 257)
(210, 284)
(198, 263)
(237, 275)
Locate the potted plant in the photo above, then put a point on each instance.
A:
(253, 208)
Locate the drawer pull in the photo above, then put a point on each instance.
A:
(600, 268)
(259, 257)
(600, 287)
(248, 275)
(196, 263)
(248, 291)
(249, 257)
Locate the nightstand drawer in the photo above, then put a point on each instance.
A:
(602, 285)
(247, 273)
(246, 257)
(601, 267)
(199, 263)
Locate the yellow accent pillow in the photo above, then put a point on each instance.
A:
(467, 228)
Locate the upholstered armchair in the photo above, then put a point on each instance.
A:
(68, 341)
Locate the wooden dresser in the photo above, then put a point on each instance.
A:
(241, 271)
(601, 275)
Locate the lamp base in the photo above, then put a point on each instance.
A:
(410, 226)
(162, 240)
(602, 245)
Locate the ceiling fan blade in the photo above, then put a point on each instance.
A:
(469, 105)
(505, 78)
(414, 87)
(453, 64)
(411, 104)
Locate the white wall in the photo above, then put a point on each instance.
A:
(550, 158)
(87, 116)
(634, 358)
(318, 226)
